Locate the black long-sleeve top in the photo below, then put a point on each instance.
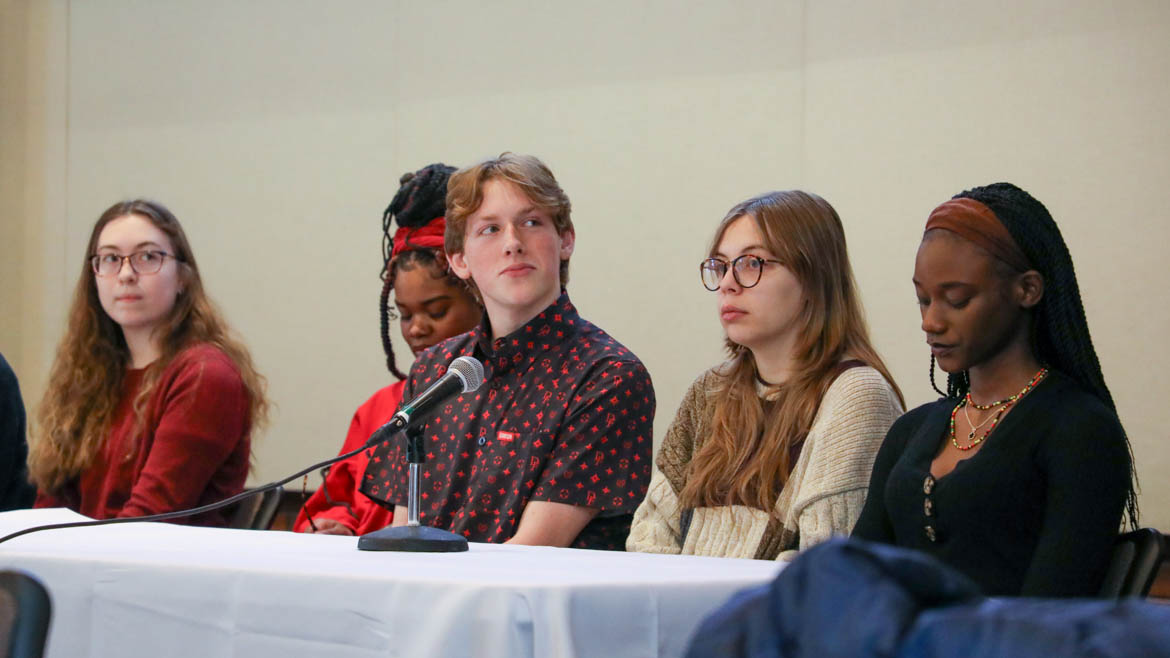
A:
(15, 490)
(1034, 512)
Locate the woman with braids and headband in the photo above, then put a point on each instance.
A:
(1020, 475)
(432, 306)
(151, 400)
(770, 451)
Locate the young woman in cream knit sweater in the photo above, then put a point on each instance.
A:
(771, 451)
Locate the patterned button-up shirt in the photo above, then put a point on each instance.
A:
(565, 415)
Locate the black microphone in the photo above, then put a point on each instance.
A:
(464, 375)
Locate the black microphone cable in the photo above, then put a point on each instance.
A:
(166, 516)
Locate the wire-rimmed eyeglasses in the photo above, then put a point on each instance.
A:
(142, 262)
(746, 270)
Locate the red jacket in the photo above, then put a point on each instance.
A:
(349, 506)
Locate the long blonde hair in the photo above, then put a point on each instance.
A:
(85, 383)
(747, 458)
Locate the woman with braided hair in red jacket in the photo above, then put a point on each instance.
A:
(432, 305)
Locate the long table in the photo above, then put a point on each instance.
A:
(154, 589)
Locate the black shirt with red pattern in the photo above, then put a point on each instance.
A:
(565, 415)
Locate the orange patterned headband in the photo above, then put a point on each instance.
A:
(973, 221)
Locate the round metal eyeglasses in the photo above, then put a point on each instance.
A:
(746, 270)
(141, 262)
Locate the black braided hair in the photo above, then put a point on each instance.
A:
(1060, 331)
(953, 383)
(421, 197)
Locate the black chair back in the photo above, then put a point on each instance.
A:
(269, 501)
(243, 513)
(256, 512)
(25, 611)
(1137, 556)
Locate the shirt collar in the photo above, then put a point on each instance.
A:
(552, 326)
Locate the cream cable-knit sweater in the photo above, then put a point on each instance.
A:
(823, 496)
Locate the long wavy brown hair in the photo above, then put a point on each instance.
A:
(747, 458)
(85, 383)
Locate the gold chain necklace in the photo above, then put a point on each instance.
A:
(974, 427)
(1006, 403)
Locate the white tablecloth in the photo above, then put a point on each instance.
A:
(153, 589)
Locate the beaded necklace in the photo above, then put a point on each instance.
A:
(1004, 405)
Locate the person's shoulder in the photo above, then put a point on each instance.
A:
(860, 379)
(1073, 399)
(204, 363)
(390, 394)
(447, 350)
(381, 405)
(434, 361)
(927, 408)
(706, 386)
(1075, 410)
(862, 393)
(206, 357)
(7, 375)
(601, 346)
(203, 373)
(712, 379)
(910, 421)
(1075, 430)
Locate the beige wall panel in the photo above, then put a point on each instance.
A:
(656, 118)
(264, 127)
(280, 147)
(33, 152)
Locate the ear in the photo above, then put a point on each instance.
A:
(184, 279)
(568, 241)
(458, 265)
(1029, 289)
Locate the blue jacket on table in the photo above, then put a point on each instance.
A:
(859, 599)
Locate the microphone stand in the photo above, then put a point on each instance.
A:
(413, 537)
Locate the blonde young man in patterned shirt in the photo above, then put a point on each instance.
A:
(555, 448)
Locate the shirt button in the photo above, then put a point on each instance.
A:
(928, 507)
(930, 534)
(482, 440)
(928, 485)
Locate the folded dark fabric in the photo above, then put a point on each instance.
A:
(1043, 628)
(848, 598)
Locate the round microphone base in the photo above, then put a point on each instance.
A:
(414, 539)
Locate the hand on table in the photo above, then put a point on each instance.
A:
(330, 527)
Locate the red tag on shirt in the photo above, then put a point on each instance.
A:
(505, 437)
